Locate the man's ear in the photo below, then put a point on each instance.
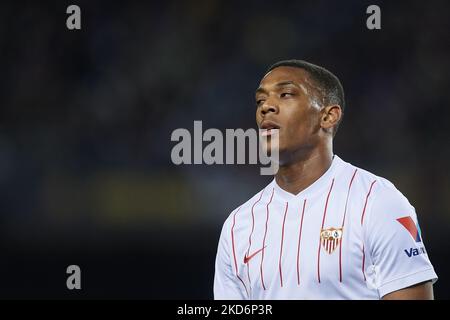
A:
(331, 116)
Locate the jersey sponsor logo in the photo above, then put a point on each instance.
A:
(330, 238)
(412, 252)
(409, 225)
(247, 258)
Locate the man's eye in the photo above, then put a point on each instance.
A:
(258, 102)
(286, 94)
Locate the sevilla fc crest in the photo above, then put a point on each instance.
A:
(330, 238)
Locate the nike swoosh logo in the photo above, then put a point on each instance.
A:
(247, 258)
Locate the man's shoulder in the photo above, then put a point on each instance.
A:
(246, 206)
(379, 189)
(369, 180)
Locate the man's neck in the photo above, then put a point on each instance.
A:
(299, 175)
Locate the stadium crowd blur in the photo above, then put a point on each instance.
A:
(86, 118)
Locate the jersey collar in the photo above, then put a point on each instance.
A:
(321, 183)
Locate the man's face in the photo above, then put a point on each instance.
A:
(286, 99)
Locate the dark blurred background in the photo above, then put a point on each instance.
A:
(86, 117)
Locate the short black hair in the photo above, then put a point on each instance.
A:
(330, 86)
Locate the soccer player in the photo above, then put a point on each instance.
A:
(323, 228)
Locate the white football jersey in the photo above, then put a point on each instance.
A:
(349, 235)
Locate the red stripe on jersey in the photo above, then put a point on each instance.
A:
(250, 237)
(323, 222)
(281, 246)
(298, 247)
(363, 262)
(365, 204)
(264, 241)
(362, 221)
(343, 222)
(234, 251)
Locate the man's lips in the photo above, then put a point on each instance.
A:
(267, 126)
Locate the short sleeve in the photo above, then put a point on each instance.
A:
(394, 241)
(225, 285)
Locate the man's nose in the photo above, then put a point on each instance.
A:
(269, 106)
